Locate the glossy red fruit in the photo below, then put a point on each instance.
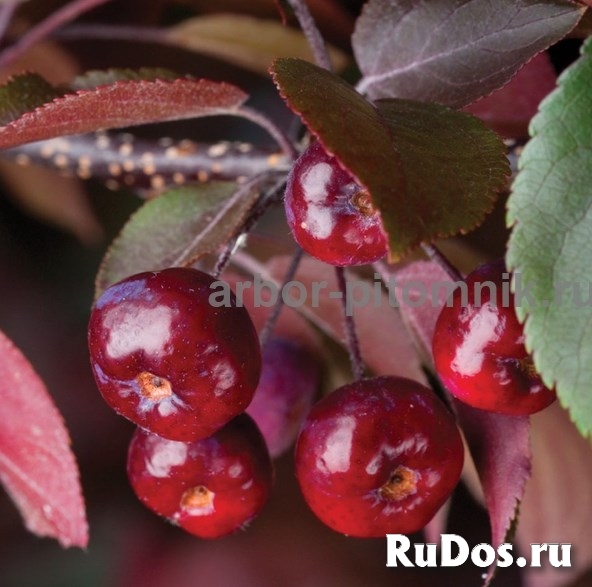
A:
(164, 358)
(210, 487)
(378, 456)
(290, 378)
(479, 350)
(330, 215)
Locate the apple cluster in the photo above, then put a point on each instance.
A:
(376, 456)
(478, 346)
(184, 372)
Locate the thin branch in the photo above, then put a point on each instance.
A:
(353, 343)
(434, 254)
(249, 264)
(312, 33)
(6, 12)
(267, 200)
(111, 32)
(46, 27)
(279, 304)
(106, 154)
(280, 138)
(382, 269)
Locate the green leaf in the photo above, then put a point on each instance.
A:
(23, 93)
(454, 169)
(175, 229)
(430, 170)
(550, 248)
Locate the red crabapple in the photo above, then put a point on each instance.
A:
(330, 215)
(290, 378)
(479, 350)
(167, 360)
(378, 456)
(210, 487)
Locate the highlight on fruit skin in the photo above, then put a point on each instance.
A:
(378, 456)
(479, 350)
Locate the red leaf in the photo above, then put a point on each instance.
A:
(439, 52)
(37, 467)
(123, 103)
(508, 111)
(500, 449)
(386, 347)
(411, 282)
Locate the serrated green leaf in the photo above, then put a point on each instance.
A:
(23, 93)
(430, 170)
(454, 169)
(175, 228)
(550, 210)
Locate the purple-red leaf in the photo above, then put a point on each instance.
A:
(509, 110)
(121, 104)
(499, 446)
(37, 467)
(386, 347)
(456, 51)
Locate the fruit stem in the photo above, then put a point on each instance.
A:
(275, 132)
(279, 304)
(436, 255)
(6, 13)
(267, 199)
(42, 30)
(353, 343)
(312, 33)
